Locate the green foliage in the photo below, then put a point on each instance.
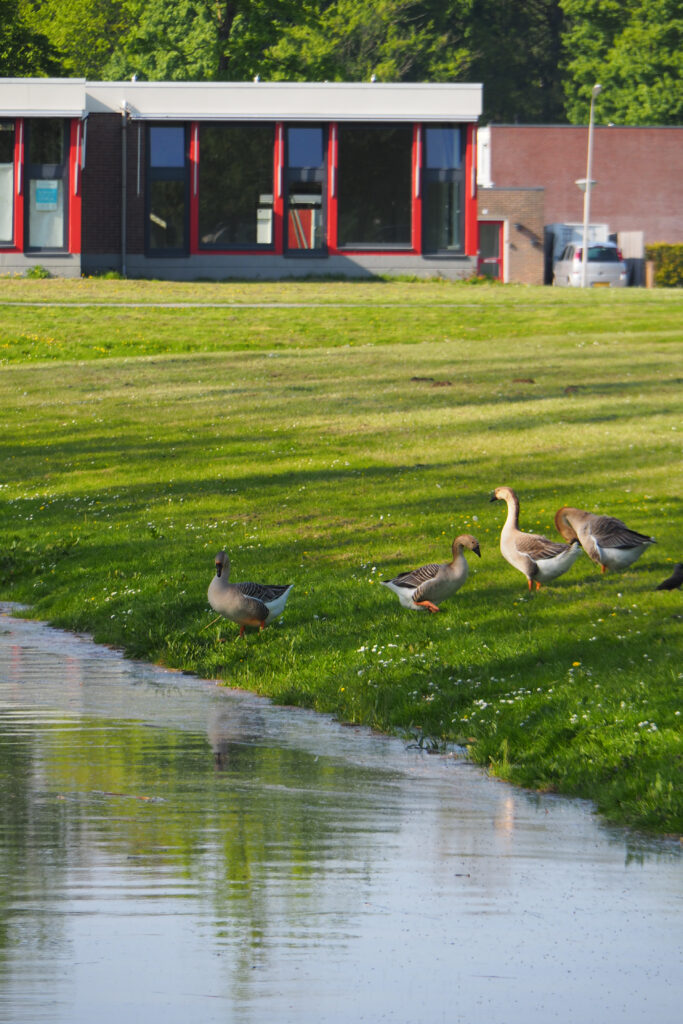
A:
(394, 40)
(635, 50)
(24, 51)
(513, 48)
(37, 272)
(85, 32)
(516, 51)
(537, 59)
(668, 260)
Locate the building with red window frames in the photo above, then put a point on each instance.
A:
(189, 180)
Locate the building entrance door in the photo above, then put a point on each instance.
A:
(490, 263)
(47, 174)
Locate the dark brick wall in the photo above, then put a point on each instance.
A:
(639, 173)
(101, 230)
(102, 186)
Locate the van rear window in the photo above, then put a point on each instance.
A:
(602, 254)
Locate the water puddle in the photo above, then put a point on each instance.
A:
(173, 851)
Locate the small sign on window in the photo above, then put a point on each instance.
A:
(47, 195)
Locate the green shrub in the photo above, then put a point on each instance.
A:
(38, 272)
(668, 261)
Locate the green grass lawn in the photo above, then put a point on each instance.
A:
(329, 435)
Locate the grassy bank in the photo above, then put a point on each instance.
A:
(330, 438)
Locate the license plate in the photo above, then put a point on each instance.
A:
(600, 284)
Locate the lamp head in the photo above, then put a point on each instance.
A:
(597, 88)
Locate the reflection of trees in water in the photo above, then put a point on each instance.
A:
(251, 839)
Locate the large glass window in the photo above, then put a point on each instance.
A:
(305, 176)
(7, 132)
(374, 175)
(442, 190)
(46, 174)
(236, 185)
(167, 193)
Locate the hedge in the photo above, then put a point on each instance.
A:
(668, 261)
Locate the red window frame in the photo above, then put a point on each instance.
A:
(74, 184)
(415, 249)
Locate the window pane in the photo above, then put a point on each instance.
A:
(602, 254)
(167, 146)
(443, 148)
(441, 216)
(6, 181)
(304, 147)
(46, 214)
(305, 216)
(6, 142)
(375, 186)
(167, 215)
(46, 141)
(236, 185)
(489, 239)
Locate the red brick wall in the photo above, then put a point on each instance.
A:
(522, 208)
(639, 173)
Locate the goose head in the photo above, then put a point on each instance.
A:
(222, 564)
(562, 524)
(466, 540)
(503, 494)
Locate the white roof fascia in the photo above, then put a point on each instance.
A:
(42, 97)
(287, 101)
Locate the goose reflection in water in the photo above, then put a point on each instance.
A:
(232, 727)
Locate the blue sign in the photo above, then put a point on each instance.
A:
(47, 194)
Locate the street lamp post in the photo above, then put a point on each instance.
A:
(587, 193)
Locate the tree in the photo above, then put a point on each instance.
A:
(24, 51)
(517, 54)
(202, 39)
(156, 39)
(352, 40)
(513, 48)
(84, 32)
(634, 49)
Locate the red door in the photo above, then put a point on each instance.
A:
(490, 263)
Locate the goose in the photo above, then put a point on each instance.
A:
(674, 581)
(539, 558)
(606, 540)
(421, 589)
(247, 604)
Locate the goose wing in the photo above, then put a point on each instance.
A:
(415, 577)
(538, 547)
(264, 593)
(612, 533)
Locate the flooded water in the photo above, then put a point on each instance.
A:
(172, 851)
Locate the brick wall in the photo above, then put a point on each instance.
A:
(102, 186)
(639, 173)
(523, 209)
(101, 229)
